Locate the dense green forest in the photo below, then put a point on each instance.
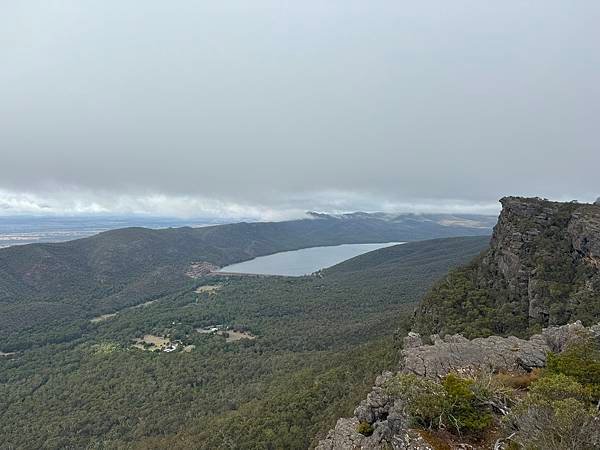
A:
(319, 343)
(48, 284)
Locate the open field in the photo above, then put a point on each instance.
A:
(153, 343)
(210, 289)
(232, 336)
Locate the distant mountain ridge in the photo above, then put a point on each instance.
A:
(457, 220)
(124, 267)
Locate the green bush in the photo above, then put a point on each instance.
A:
(580, 361)
(424, 400)
(556, 415)
(453, 404)
(365, 428)
(464, 410)
(560, 410)
(557, 387)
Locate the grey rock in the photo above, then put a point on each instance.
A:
(467, 357)
(410, 440)
(510, 264)
(381, 379)
(435, 338)
(375, 407)
(344, 436)
(460, 355)
(412, 340)
(557, 338)
(455, 338)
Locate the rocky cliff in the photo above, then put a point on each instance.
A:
(385, 415)
(542, 268)
(539, 278)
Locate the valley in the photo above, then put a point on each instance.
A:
(311, 338)
(61, 286)
(185, 357)
(288, 225)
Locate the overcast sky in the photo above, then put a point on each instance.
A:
(266, 109)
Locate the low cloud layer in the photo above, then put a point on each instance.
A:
(265, 109)
(77, 202)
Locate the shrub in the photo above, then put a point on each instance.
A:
(518, 380)
(365, 428)
(555, 425)
(459, 404)
(464, 410)
(552, 388)
(580, 361)
(556, 415)
(423, 400)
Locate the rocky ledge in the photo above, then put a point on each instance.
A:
(454, 354)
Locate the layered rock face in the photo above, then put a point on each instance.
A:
(542, 269)
(452, 354)
(538, 249)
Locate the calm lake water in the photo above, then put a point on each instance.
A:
(303, 262)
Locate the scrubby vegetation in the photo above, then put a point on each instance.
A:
(365, 428)
(556, 408)
(461, 405)
(561, 410)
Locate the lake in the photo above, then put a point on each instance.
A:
(304, 261)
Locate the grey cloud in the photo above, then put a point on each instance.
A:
(257, 103)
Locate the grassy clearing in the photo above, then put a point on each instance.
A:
(232, 336)
(152, 343)
(208, 289)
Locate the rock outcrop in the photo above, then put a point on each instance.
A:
(384, 414)
(533, 239)
(530, 237)
(542, 269)
(457, 354)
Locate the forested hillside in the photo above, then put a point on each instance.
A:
(44, 283)
(315, 345)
